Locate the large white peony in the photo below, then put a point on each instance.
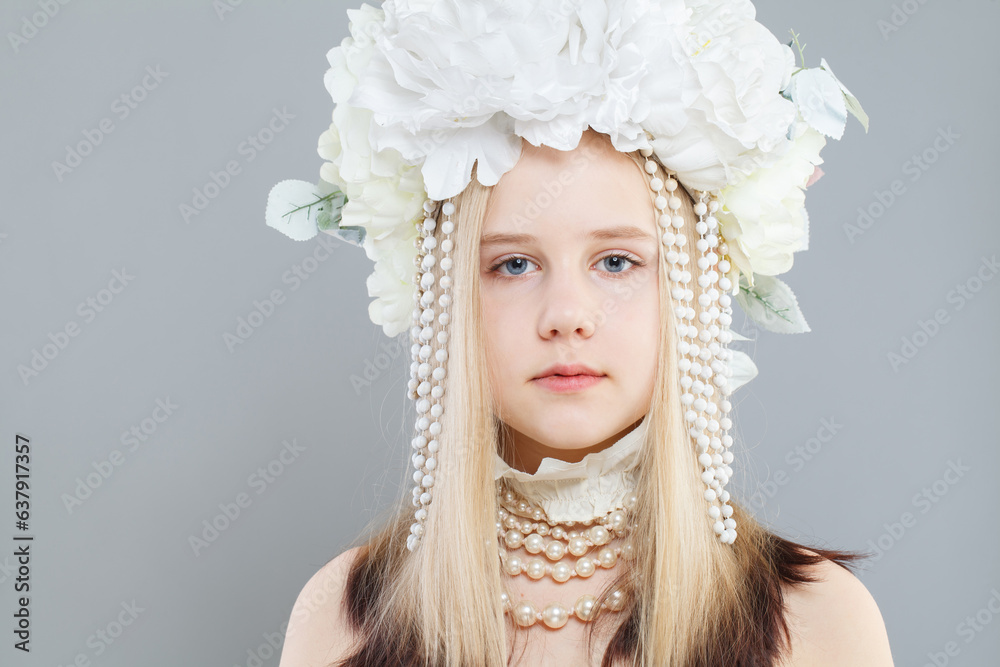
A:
(735, 117)
(454, 82)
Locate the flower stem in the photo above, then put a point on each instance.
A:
(801, 48)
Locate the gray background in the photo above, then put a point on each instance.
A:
(162, 337)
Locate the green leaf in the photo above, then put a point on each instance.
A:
(771, 303)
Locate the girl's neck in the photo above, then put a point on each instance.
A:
(526, 454)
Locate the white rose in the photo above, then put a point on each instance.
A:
(764, 216)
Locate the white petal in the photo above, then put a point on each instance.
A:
(738, 336)
(744, 369)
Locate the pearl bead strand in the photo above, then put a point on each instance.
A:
(564, 541)
(702, 351)
(429, 366)
(536, 568)
(555, 615)
(521, 525)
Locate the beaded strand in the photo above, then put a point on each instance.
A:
(703, 353)
(426, 385)
(519, 524)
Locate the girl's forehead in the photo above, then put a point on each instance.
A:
(584, 187)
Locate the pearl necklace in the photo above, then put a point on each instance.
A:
(519, 524)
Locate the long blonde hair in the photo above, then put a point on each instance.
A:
(440, 605)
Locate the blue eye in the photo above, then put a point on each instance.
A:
(521, 262)
(619, 263)
(517, 265)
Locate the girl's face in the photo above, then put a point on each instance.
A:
(569, 270)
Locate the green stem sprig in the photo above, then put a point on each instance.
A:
(801, 49)
(336, 194)
(764, 299)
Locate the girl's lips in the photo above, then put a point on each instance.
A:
(570, 383)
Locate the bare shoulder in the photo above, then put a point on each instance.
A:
(318, 633)
(835, 621)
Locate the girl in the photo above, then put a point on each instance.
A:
(572, 379)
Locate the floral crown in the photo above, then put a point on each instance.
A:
(423, 89)
(426, 90)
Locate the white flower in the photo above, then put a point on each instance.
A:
(392, 283)
(763, 217)
(385, 194)
(458, 82)
(736, 119)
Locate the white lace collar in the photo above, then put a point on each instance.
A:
(581, 491)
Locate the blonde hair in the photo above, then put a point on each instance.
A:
(443, 600)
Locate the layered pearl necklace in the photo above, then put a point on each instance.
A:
(523, 525)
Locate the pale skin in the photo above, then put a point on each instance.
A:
(565, 297)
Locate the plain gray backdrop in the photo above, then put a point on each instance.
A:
(840, 443)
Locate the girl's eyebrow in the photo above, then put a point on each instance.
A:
(603, 234)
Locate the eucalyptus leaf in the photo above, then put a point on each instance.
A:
(852, 102)
(771, 303)
(821, 101)
(286, 196)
